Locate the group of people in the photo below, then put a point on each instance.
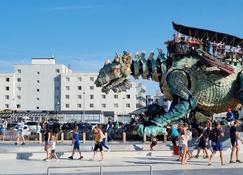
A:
(218, 50)
(51, 136)
(209, 140)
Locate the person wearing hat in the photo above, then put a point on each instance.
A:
(235, 139)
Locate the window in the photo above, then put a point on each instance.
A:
(38, 90)
(38, 81)
(91, 105)
(79, 105)
(79, 96)
(91, 87)
(19, 71)
(18, 97)
(7, 79)
(103, 105)
(67, 105)
(38, 73)
(7, 88)
(7, 97)
(37, 98)
(18, 79)
(67, 96)
(91, 97)
(67, 79)
(18, 106)
(91, 78)
(57, 79)
(79, 78)
(57, 70)
(67, 88)
(103, 96)
(6, 106)
(79, 88)
(116, 96)
(57, 88)
(116, 105)
(19, 88)
(37, 107)
(128, 96)
(128, 105)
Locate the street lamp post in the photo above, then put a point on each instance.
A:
(82, 119)
(123, 111)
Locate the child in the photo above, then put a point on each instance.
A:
(76, 143)
(53, 147)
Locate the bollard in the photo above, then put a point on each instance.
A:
(40, 138)
(84, 137)
(124, 137)
(106, 136)
(144, 138)
(62, 137)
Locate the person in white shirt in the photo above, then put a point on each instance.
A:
(19, 128)
(53, 148)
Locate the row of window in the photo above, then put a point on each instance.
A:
(103, 105)
(79, 88)
(92, 96)
(91, 105)
(80, 79)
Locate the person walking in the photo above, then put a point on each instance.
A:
(52, 145)
(235, 139)
(76, 144)
(37, 133)
(47, 136)
(202, 142)
(19, 128)
(98, 142)
(216, 135)
(109, 130)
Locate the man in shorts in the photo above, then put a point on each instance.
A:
(235, 139)
(216, 135)
(98, 142)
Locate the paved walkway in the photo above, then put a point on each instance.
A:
(161, 161)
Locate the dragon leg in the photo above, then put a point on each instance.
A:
(183, 102)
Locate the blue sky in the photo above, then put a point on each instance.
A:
(83, 33)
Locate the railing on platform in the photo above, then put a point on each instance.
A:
(100, 167)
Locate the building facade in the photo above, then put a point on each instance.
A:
(50, 88)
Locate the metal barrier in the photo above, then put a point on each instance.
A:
(100, 167)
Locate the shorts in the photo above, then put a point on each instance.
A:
(53, 151)
(76, 146)
(99, 146)
(217, 146)
(181, 150)
(2, 131)
(19, 133)
(234, 142)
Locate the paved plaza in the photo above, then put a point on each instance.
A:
(124, 158)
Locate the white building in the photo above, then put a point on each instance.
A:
(45, 86)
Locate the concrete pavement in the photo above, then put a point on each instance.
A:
(161, 160)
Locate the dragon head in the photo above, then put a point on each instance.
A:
(114, 75)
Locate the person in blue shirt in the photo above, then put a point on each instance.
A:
(230, 117)
(174, 135)
(76, 143)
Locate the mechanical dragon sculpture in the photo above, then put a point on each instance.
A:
(190, 78)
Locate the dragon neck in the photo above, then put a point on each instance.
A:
(148, 68)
